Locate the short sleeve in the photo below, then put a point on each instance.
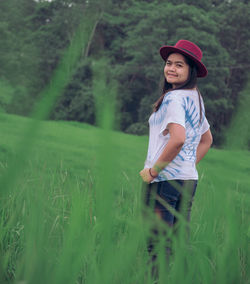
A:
(173, 112)
(205, 126)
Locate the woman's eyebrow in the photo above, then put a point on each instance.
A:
(182, 62)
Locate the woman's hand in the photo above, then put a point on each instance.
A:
(145, 175)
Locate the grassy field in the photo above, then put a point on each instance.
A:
(71, 210)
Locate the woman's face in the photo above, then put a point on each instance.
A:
(176, 70)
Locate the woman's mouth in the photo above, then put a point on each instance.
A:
(172, 75)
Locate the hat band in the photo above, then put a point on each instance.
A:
(190, 52)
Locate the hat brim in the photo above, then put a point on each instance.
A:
(201, 68)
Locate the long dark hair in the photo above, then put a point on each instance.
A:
(189, 84)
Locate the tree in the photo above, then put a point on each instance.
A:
(77, 102)
(18, 53)
(35, 34)
(139, 32)
(235, 37)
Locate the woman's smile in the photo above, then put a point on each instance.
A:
(171, 75)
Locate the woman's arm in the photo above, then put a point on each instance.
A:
(204, 145)
(171, 150)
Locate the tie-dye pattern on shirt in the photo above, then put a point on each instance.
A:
(182, 107)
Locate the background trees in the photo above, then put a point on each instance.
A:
(141, 28)
(34, 35)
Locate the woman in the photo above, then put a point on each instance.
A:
(179, 134)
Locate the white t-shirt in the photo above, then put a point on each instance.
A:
(181, 107)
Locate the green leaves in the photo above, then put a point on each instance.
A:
(35, 34)
(6, 94)
(142, 28)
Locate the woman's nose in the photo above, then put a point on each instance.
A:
(172, 67)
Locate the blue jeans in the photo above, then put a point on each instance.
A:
(176, 193)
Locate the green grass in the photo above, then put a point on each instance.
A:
(72, 213)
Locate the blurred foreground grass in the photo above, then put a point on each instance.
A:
(52, 231)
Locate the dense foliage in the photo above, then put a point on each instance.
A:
(34, 35)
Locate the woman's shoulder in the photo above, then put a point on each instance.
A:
(185, 92)
(178, 94)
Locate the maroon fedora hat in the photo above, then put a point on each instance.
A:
(188, 49)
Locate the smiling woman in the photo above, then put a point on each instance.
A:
(179, 138)
(176, 70)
